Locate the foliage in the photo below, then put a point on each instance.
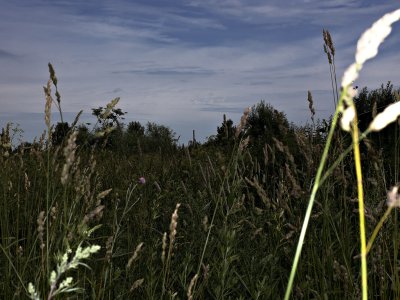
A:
(196, 222)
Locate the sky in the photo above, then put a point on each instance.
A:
(182, 64)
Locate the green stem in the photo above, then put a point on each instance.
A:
(341, 157)
(312, 199)
(357, 161)
(377, 228)
(13, 267)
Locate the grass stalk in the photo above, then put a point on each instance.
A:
(360, 191)
(312, 200)
(377, 228)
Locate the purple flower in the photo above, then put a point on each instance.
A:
(142, 180)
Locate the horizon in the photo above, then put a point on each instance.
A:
(182, 65)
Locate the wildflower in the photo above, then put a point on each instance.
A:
(142, 180)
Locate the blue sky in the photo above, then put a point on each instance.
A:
(182, 63)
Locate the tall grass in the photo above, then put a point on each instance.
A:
(367, 48)
(205, 222)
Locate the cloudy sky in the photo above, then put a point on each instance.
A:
(182, 63)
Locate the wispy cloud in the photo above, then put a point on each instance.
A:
(187, 71)
(182, 62)
(7, 55)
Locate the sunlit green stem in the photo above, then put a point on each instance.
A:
(360, 191)
(312, 198)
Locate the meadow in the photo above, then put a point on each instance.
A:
(123, 212)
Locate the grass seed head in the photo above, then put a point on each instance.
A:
(135, 255)
(164, 247)
(49, 100)
(393, 197)
(311, 105)
(173, 225)
(40, 228)
(191, 285)
(243, 121)
(389, 115)
(136, 284)
(69, 153)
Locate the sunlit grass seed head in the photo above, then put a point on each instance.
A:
(191, 285)
(135, 255)
(393, 197)
(174, 224)
(368, 44)
(389, 115)
(367, 48)
(243, 121)
(347, 117)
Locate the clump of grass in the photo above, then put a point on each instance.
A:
(367, 48)
(172, 235)
(239, 222)
(65, 263)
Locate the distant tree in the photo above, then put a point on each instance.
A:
(109, 116)
(114, 118)
(226, 132)
(135, 128)
(159, 137)
(110, 131)
(264, 123)
(85, 137)
(60, 132)
(370, 103)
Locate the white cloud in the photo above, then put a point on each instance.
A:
(144, 56)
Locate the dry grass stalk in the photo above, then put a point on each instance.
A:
(27, 183)
(157, 186)
(102, 195)
(191, 285)
(164, 247)
(205, 223)
(260, 192)
(311, 105)
(136, 284)
(172, 236)
(296, 190)
(96, 213)
(284, 149)
(135, 255)
(243, 121)
(109, 246)
(40, 228)
(243, 143)
(172, 227)
(5, 141)
(49, 100)
(69, 153)
(53, 212)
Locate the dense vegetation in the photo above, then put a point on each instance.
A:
(218, 220)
